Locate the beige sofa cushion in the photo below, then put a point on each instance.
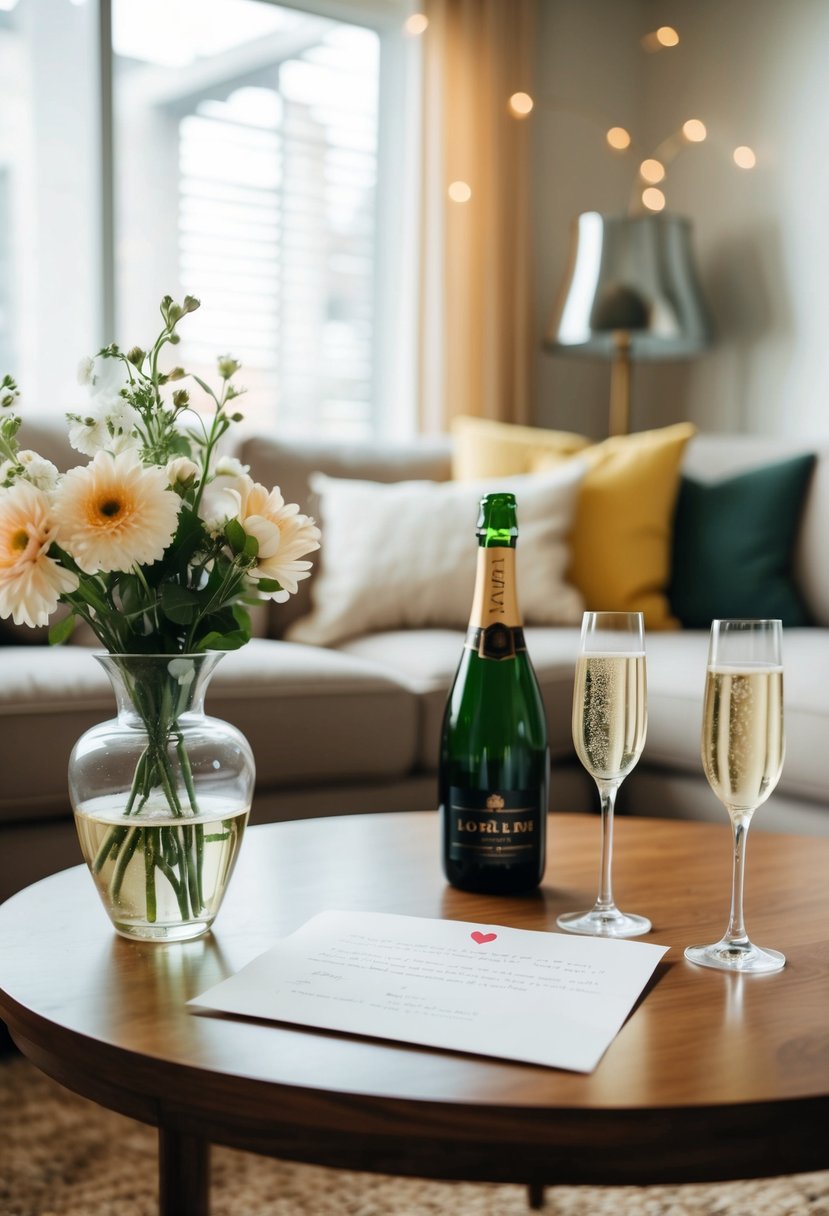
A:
(403, 555)
(676, 684)
(311, 716)
(427, 661)
(290, 464)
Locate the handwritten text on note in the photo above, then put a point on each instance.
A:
(446, 984)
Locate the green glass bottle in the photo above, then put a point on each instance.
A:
(494, 762)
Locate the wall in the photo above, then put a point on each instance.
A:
(757, 73)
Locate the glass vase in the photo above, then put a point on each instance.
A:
(161, 796)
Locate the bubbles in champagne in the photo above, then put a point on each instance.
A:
(609, 713)
(742, 735)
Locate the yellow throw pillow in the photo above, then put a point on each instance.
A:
(623, 530)
(482, 448)
(622, 535)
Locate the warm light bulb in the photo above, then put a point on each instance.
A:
(459, 192)
(661, 39)
(744, 157)
(416, 24)
(652, 170)
(521, 104)
(618, 138)
(694, 130)
(653, 199)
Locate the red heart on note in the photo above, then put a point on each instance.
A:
(480, 938)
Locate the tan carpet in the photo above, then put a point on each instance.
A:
(63, 1156)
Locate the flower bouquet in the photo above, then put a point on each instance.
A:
(160, 544)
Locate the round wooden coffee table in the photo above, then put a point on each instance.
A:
(713, 1076)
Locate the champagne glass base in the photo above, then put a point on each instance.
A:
(604, 922)
(726, 956)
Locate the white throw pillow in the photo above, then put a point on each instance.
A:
(402, 555)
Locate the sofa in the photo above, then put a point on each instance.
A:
(353, 725)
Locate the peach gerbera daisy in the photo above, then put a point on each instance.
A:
(115, 513)
(283, 534)
(31, 582)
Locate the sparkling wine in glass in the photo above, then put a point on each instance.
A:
(609, 725)
(742, 755)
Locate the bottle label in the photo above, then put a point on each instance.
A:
(493, 828)
(496, 641)
(495, 601)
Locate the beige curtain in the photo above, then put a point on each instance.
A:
(476, 332)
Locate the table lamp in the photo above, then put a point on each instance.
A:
(631, 292)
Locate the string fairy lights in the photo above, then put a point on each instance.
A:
(648, 189)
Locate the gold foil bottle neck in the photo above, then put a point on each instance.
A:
(495, 601)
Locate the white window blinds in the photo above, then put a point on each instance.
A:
(275, 146)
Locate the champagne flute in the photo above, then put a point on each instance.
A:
(609, 725)
(742, 755)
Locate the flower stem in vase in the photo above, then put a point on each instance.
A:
(158, 542)
(174, 788)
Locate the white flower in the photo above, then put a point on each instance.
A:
(182, 471)
(31, 582)
(229, 466)
(107, 377)
(222, 500)
(284, 537)
(106, 425)
(38, 470)
(86, 370)
(115, 512)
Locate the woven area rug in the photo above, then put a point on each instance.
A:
(63, 1156)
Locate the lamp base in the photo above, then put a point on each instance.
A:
(620, 373)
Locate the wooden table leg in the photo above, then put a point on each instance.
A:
(535, 1195)
(183, 1174)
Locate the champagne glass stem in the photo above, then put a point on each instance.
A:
(735, 934)
(734, 951)
(607, 795)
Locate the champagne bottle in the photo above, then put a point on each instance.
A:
(494, 762)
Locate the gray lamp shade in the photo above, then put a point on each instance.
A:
(631, 274)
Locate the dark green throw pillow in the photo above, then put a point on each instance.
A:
(734, 545)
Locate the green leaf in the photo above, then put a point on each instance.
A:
(189, 538)
(178, 604)
(251, 547)
(242, 618)
(223, 641)
(132, 595)
(216, 577)
(201, 383)
(237, 536)
(268, 584)
(62, 630)
(222, 621)
(180, 444)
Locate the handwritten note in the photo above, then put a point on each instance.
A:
(542, 998)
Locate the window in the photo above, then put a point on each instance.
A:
(258, 162)
(247, 158)
(6, 333)
(50, 197)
